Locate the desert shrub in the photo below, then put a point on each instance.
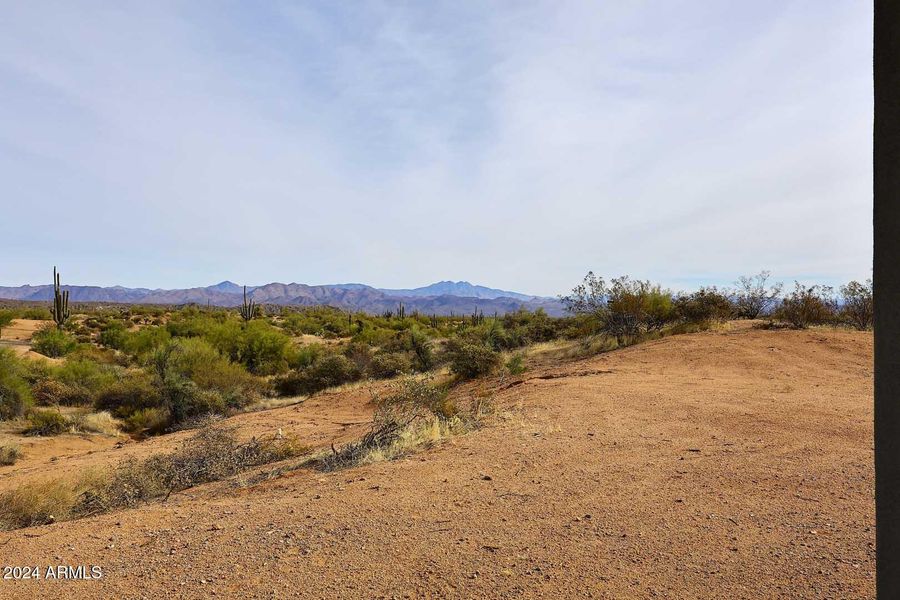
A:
(53, 342)
(328, 371)
(360, 354)
(6, 317)
(46, 422)
(145, 340)
(113, 335)
(753, 297)
(516, 364)
(264, 349)
(184, 399)
(625, 308)
(9, 455)
(469, 360)
(15, 394)
(77, 382)
(132, 392)
(36, 314)
(50, 392)
(385, 365)
(259, 346)
(858, 306)
(706, 305)
(148, 421)
(805, 306)
(541, 328)
(197, 360)
(306, 355)
(423, 355)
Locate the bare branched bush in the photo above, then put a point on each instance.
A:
(858, 304)
(212, 454)
(415, 411)
(754, 298)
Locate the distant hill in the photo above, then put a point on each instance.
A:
(441, 298)
(458, 288)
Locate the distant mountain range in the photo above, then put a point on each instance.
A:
(442, 298)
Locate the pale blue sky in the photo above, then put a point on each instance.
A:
(511, 144)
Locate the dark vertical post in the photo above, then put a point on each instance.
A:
(887, 296)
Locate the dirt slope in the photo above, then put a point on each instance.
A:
(716, 465)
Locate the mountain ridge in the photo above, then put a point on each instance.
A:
(442, 298)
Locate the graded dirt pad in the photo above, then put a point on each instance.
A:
(719, 465)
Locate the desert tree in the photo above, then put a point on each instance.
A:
(753, 297)
(858, 306)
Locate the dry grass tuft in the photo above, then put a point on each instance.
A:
(9, 455)
(100, 422)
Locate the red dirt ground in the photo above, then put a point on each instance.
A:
(729, 465)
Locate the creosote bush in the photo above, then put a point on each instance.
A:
(808, 305)
(470, 360)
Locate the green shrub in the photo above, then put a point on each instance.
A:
(706, 305)
(52, 342)
(306, 355)
(805, 306)
(87, 375)
(113, 335)
(133, 391)
(197, 360)
(516, 364)
(15, 394)
(385, 365)
(420, 345)
(328, 371)
(469, 360)
(46, 422)
(184, 400)
(149, 421)
(624, 309)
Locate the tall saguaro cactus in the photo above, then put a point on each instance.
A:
(248, 309)
(60, 308)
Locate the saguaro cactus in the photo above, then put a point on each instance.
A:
(60, 308)
(248, 308)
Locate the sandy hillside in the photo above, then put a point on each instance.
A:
(715, 465)
(17, 336)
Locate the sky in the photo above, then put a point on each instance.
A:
(511, 144)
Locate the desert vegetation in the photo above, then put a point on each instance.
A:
(154, 369)
(150, 370)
